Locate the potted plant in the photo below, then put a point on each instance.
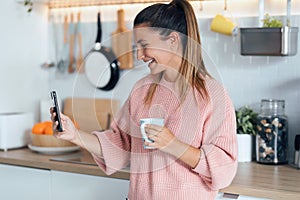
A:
(273, 39)
(246, 130)
(271, 22)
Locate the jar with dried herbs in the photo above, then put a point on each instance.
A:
(272, 133)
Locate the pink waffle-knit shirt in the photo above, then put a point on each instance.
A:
(205, 124)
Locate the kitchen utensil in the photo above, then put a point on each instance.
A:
(297, 148)
(79, 60)
(122, 43)
(47, 65)
(101, 65)
(64, 62)
(91, 114)
(72, 62)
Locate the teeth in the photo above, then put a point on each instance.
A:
(150, 61)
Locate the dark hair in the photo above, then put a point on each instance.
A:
(178, 16)
(170, 17)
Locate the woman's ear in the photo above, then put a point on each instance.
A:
(174, 40)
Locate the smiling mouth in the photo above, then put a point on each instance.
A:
(149, 62)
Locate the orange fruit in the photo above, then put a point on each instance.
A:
(48, 130)
(42, 128)
(48, 123)
(38, 128)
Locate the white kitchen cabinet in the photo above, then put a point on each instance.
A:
(71, 186)
(35, 184)
(24, 183)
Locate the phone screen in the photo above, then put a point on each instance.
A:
(56, 110)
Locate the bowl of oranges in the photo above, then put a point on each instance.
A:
(42, 136)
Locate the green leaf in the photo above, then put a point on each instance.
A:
(246, 120)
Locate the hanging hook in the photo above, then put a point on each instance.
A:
(200, 5)
(225, 5)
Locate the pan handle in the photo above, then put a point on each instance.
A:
(99, 34)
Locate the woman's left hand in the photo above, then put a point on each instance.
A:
(166, 141)
(162, 137)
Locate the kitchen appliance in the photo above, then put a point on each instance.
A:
(297, 148)
(15, 129)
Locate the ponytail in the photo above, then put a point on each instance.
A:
(192, 68)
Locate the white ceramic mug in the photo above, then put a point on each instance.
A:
(143, 122)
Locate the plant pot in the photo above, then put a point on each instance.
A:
(269, 41)
(245, 145)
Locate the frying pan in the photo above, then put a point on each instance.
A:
(101, 65)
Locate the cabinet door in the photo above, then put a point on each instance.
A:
(71, 186)
(24, 183)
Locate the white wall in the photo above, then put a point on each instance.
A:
(23, 48)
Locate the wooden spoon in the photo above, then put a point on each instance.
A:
(79, 60)
(71, 68)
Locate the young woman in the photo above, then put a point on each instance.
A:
(195, 153)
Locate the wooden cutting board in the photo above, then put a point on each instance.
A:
(91, 114)
(122, 43)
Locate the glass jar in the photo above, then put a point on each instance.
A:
(272, 135)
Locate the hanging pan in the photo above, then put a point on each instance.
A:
(101, 65)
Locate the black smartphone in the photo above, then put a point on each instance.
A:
(56, 110)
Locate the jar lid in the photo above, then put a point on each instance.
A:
(272, 100)
(272, 106)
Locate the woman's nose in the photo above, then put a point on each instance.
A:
(139, 54)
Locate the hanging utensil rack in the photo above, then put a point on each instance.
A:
(83, 3)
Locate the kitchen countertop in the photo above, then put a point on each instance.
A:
(252, 179)
(25, 157)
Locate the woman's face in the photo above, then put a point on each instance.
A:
(160, 53)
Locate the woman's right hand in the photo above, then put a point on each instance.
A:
(70, 132)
